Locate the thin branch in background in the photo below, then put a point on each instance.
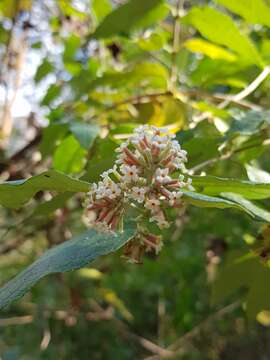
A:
(125, 331)
(237, 98)
(177, 348)
(226, 156)
(46, 339)
(134, 100)
(176, 40)
(249, 89)
(17, 320)
(13, 61)
(197, 93)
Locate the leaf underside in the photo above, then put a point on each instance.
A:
(70, 255)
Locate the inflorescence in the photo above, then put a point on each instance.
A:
(148, 175)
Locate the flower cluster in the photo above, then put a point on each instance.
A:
(148, 175)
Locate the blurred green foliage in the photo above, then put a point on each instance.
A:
(97, 70)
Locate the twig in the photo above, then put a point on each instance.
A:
(17, 320)
(249, 89)
(6, 126)
(175, 45)
(197, 93)
(197, 329)
(131, 100)
(176, 347)
(225, 156)
(123, 328)
(46, 339)
(238, 98)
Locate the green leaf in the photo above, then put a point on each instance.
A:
(101, 8)
(212, 185)
(204, 106)
(69, 157)
(72, 44)
(69, 10)
(52, 93)
(48, 207)
(256, 211)
(70, 255)
(249, 122)
(201, 149)
(144, 74)
(254, 11)
(245, 272)
(209, 49)
(153, 16)
(43, 70)
(50, 136)
(102, 158)
(10, 8)
(220, 29)
(228, 200)
(84, 133)
(14, 194)
(201, 200)
(153, 41)
(124, 18)
(175, 111)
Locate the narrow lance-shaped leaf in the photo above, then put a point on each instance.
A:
(254, 11)
(14, 194)
(70, 255)
(123, 18)
(211, 185)
(221, 29)
(256, 211)
(228, 200)
(201, 200)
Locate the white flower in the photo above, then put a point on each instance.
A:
(120, 158)
(106, 188)
(142, 129)
(130, 173)
(179, 164)
(188, 184)
(175, 146)
(122, 147)
(113, 190)
(159, 218)
(105, 174)
(174, 196)
(160, 141)
(152, 204)
(136, 139)
(162, 175)
(138, 193)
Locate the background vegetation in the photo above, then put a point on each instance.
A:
(76, 78)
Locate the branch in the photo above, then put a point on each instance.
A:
(175, 45)
(12, 87)
(226, 156)
(123, 328)
(251, 87)
(177, 347)
(131, 100)
(217, 97)
(17, 320)
(238, 98)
